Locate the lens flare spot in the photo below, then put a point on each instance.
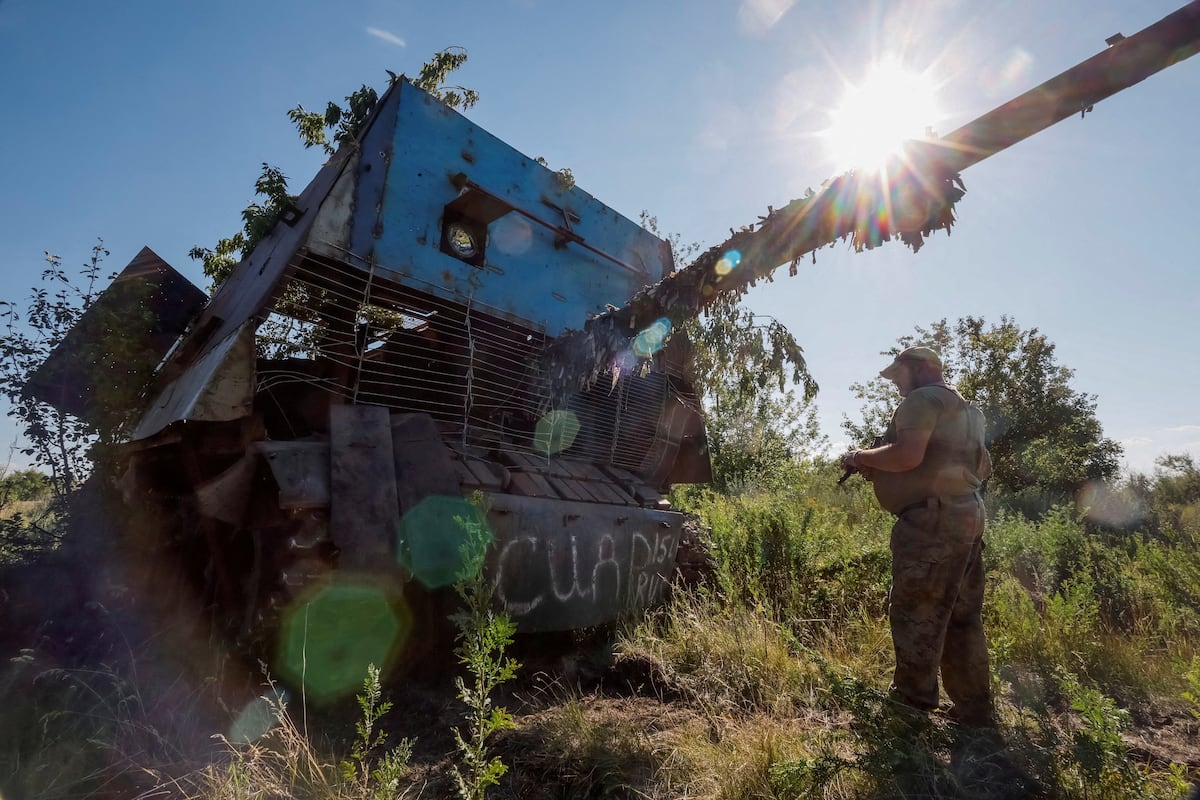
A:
(1016, 71)
(441, 538)
(556, 431)
(511, 235)
(332, 633)
(650, 340)
(258, 717)
(728, 263)
(624, 362)
(1108, 505)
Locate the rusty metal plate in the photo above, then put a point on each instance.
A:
(561, 565)
(88, 354)
(219, 387)
(224, 498)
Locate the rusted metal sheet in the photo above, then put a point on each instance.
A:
(149, 293)
(257, 278)
(301, 471)
(561, 565)
(606, 492)
(364, 510)
(218, 387)
(569, 489)
(642, 493)
(224, 498)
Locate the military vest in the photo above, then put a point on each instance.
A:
(956, 459)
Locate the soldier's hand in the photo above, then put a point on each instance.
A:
(848, 461)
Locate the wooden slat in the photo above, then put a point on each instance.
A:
(301, 471)
(606, 493)
(423, 464)
(466, 477)
(569, 489)
(524, 483)
(484, 474)
(364, 509)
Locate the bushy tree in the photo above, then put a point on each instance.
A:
(757, 426)
(1169, 498)
(114, 360)
(1044, 436)
(59, 443)
(744, 366)
(24, 485)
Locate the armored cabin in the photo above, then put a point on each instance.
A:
(379, 358)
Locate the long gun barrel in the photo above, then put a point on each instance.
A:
(913, 196)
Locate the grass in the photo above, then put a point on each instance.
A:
(768, 682)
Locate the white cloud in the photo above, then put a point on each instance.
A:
(756, 17)
(1184, 429)
(1136, 441)
(386, 36)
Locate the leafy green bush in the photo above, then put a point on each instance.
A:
(806, 561)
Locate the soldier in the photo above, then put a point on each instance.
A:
(929, 474)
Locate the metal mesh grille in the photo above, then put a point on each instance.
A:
(341, 330)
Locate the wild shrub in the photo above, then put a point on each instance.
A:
(483, 635)
(1192, 694)
(72, 732)
(1106, 605)
(375, 776)
(808, 562)
(278, 759)
(1168, 574)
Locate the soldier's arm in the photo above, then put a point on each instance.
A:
(906, 453)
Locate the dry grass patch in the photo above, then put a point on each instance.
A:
(734, 758)
(727, 660)
(600, 746)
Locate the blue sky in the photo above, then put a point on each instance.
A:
(145, 123)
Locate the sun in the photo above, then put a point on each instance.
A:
(875, 117)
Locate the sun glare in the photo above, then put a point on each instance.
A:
(874, 118)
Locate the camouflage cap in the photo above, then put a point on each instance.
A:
(912, 354)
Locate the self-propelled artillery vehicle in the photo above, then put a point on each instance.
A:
(445, 348)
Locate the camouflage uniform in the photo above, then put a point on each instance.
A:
(936, 601)
(935, 606)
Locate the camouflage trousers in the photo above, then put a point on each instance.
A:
(935, 606)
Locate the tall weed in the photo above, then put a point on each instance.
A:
(809, 563)
(483, 635)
